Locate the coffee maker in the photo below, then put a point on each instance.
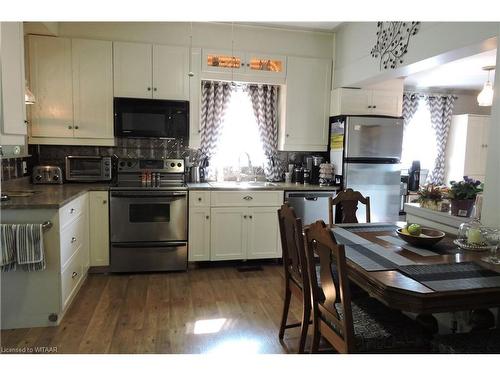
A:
(414, 176)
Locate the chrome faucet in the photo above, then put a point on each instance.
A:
(239, 165)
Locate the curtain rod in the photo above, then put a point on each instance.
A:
(429, 94)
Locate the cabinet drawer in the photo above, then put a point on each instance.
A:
(71, 276)
(69, 212)
(72, 238)
(249, 198)
(199, 198)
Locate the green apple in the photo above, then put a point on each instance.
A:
(414, 229)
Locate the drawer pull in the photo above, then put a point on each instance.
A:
(74, 274)
(72, 211)
(244, 216)
(199, 199)
(247, 198)
(73, 239)
(207, 217)
(104, 201)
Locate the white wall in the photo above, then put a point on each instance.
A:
(467, 103)
(491, 203)
(435, 44)
(212, 35)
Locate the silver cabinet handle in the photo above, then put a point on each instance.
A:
(247, 198)
(74, 274)
(73, 239)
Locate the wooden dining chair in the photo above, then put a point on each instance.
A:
(363, 325)
(295, 268)
(347, 203)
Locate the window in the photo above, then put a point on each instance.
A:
(419, 140)
(239, 136)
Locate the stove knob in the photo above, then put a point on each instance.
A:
(129, 164)
(38, 177)
(122, 164)
(172, 165)
(55, 177)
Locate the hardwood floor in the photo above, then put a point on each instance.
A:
(169, 313)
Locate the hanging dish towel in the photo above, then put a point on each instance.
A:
(29, 245)
(8, 247)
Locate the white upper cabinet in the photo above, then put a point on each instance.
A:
(52, 84)
(223, 61)
(170, 73)
(150, 71)
(72, 80)
(12, 52)
(306, 99)
(195, 99)
(366, 102)
(133, 70)
(92, 88)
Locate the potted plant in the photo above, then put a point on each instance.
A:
(463, 194)
(429, 196)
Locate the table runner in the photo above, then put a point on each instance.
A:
(368, 255)
(371, 228)
(444, 277)
(399, 242)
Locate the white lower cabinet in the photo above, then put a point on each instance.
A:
(233, 225)
(99, 228)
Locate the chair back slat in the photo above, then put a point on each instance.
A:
(347, 202)
(292, 243)
(327, 293)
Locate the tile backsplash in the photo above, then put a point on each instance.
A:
(150, 148)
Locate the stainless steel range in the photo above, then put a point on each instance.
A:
(148, 218)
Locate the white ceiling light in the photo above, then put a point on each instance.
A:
(485, 97)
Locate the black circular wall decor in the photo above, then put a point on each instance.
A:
(392, 42)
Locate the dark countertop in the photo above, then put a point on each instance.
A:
(56, 196)
(45, 196)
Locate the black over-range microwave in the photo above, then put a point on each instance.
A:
(151, 118)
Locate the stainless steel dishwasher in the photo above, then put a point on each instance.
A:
(310, 206)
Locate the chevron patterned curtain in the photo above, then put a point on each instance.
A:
(214, 99)
(265, 105)
(441, 108)
(410, 107)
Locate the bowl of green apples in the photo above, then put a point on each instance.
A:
(417, 235)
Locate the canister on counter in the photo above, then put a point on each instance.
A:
(307, 176)
(299, 175)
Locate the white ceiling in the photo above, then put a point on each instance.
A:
(311, 26)
(463, 74)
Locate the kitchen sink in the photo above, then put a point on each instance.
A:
(242, 184)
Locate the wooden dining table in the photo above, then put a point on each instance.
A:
(398, 290)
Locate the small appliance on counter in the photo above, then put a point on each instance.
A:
(47, 174)
(88, 168)
(414, 176)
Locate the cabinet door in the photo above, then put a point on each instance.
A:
(12, 51)
(266, 65)
(485, 133)
(99, 228)
(386, 103)
(307, 99)
(199, 234)
(223, 61)
(195, 100)
(133, 70)
(228, 233)
(263, 233)
(51, 82)
(355, 102)
(474, 149)
(92, 88)
(170, 73)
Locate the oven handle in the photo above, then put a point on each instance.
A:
(148, 194)
(149, 244)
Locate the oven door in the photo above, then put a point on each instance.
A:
(148, 216)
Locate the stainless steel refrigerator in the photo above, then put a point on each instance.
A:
(366, 153)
